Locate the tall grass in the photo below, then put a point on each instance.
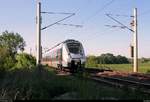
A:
(43, 83)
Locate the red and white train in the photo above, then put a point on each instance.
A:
(67, 54)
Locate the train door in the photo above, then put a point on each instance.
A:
(59, 58)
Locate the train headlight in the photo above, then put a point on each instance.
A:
(76, 63)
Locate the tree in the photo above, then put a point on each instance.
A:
(12, 41)
(6, 61)
(3, 55)
(121, 59)
(25, 61)
(107, 58)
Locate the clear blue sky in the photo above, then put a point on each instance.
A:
(19, 16)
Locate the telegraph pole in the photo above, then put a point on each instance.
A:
(38, 27)
(135, 42)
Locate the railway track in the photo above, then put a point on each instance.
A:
(123, 83)
(126, 82)
(131, 81)
(96, 70)
(141, 76)
(89, 70)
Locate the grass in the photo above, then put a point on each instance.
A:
(143, 67)
(44, 84)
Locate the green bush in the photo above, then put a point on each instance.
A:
(25, 61)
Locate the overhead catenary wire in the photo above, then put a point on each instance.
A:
(69, 25)
(101, 9)
(59, 21)
(118, 15)
(57, 13)
(115, 26)
(119, 22)
(98, 11)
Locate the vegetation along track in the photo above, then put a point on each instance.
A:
(120, 82)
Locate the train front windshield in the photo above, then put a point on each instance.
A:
(74, 48)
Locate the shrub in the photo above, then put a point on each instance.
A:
(6, 60)
(25, 61)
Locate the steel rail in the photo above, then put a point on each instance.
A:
(122, 83)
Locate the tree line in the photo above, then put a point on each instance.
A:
(107, 58)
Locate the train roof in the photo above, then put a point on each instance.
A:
(70, 40)
(66, 41)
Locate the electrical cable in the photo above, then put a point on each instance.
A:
(100, 10)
